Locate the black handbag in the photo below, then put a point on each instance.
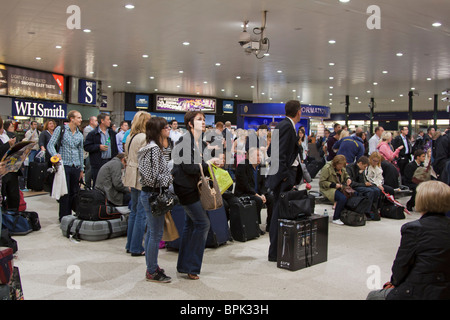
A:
(295, 204)
(162, 202)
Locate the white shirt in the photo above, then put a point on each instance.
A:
(373, 143)
(297, 158)
(175, 135)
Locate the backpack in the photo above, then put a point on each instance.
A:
(358, 204)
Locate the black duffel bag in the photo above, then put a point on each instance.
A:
(296, 204)
(92, 205)
(392, 211)
(352, 218)
(358, 204)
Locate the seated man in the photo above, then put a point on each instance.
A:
(109, 180)
(356, 172)
(419, 158)
(251, 182)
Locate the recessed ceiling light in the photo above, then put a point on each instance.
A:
(332, 41)
(368, 91)
(38, 58)
(263, 93)
(430, 99)
(437, 24)
(129, 6)
(331, 78)
(145, 56)
(128, 82)
(428, 79)
(115, 65)
(331, 94)
(344, 1)
(413, 88)
(92, 72)
(222, 90)
(205, 82)
(152, 77)
(181, 71)
(385, 72)
(266, 54)
(87, 30)
(156, 89)
(392, 100)
(279, 71)
(218, 64)
(399, 54)
(186, 43)
(401, 95)
(331, 64)
(178, 86)
(109, 86)
(58, 47)
(375, 83)
(238, 77)
(331, 87)
(252, 87)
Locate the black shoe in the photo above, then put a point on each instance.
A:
(409, 207)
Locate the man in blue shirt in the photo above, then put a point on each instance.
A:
(71, 153)
(101, 144)
(352, 148)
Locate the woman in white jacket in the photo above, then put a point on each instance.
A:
(374, 173)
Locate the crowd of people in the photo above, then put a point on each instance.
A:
(135, 164)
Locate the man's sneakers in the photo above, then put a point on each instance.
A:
(338, 222)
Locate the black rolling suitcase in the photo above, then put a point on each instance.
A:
(244, 224)
(37, 173)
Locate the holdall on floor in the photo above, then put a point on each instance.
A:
(352, 218)
(314, 167)
(16, 223)
(7, 241)
(6, 265)
(92, 205)
(219, 232)
(244, 224)
(358, 204)
(93, 230)
(392, 211)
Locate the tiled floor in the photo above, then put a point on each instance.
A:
(359, 259)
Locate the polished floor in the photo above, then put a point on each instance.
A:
(53, 267)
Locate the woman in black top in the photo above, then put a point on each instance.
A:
(421, 268)
(44, 138)
(189, 153)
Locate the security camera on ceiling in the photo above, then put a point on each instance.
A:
(446, 92)
(445, 99)
(259, 47)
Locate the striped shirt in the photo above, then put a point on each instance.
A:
(71, 149)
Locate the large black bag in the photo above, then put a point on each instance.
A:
(352, 218)
(358, 204)
(296, 204)
(392, 211)
(92, 205)
(244, 224)
(314, 167)
(37, 173)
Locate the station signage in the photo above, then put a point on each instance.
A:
(87, 92)
(185, 104)
(40, 109)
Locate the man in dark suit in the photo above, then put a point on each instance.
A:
(404, 157)
(101, 145)
(419, 159)
(251, 182)
(284, 148)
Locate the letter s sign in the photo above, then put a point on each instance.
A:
(87, 92)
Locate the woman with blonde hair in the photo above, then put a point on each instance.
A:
(420, 270)
(136, 221)
(374, 173)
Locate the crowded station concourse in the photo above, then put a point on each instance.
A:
(262, 158)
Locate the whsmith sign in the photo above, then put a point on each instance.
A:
(27, 108)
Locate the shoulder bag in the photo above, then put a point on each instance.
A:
(210, 195)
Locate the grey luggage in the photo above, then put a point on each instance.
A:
(93, 230)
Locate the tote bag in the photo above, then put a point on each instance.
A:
(210, 196)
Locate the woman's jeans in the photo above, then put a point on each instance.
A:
(193, 239)
(341, 201)
(136, 224)
(155, 229)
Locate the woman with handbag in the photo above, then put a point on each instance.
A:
(190, 153)
(136, 221)
(155, 180)
(333, 180)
